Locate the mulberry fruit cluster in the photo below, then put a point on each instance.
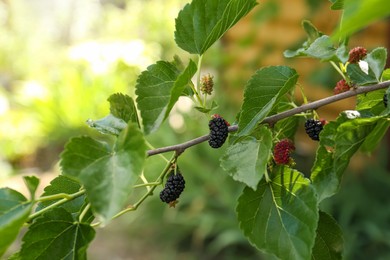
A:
(385, 99)
(356, 54)
(218, 131)
(207, 84)
(341, 87)
(282, 151)
(173, 187)
(313, 128)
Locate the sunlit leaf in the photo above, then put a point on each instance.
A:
(180, 84)
(360, 13)
(281, 216)
(109, 179)
(63, 184)
(56, 235)
(79, 153)
(322, 48)
(108, 125)
(337, 4)
(246, 159)
(201, 23)
(262, 94)
(14, 212)
(158, 88)
(329, 241)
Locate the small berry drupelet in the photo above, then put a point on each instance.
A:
(341, 86)
(356, 54)
(207, 84)
(282, 151)
(218, 131)
(173, 187)
(385, 99)
(313, 128)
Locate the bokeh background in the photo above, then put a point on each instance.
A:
(61, 59)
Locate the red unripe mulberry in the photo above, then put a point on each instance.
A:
(356, 54)
(282, 151)
(341, 87)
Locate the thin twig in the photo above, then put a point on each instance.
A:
(274, 118)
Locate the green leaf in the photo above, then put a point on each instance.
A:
(56, 235)
(337, 4)
(311, 31)
(360, 13)
(360, 78)
(322, 48)
(63, 184)
(158, 88)
(281, 216)
(329, 241)
(246, 159)
(386, 74)
(180, 84)
(79, 153)
(123, 107)
(108, 125)
(14, 212)
(329, 166)
(376, 60)
(108, 180)
(203, 110)
(375, 137)
(32, 183)
(262, 94)
(201, 23)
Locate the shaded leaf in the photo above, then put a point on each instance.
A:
(56, 235)
(79, 153)
(281, 216)
(322, 48)
(108, 180)
(201, 23)
(262, 94)
(329, 166)
(122, 106)
(14, 212)
(329, 241)
(311, 31)
(246, 159)
(32, 183)
(358, 76)
(337, 4)
(214, 105)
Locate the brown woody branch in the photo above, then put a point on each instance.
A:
(179, 148)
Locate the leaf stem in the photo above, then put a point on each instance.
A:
(84, 212)
(338, 70)
(56, 204)
(54, 197)
(146, 184)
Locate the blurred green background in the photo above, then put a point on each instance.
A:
(59, 62)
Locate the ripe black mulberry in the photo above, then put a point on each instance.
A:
(173, 187)
(313, 128)
(218, 131)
